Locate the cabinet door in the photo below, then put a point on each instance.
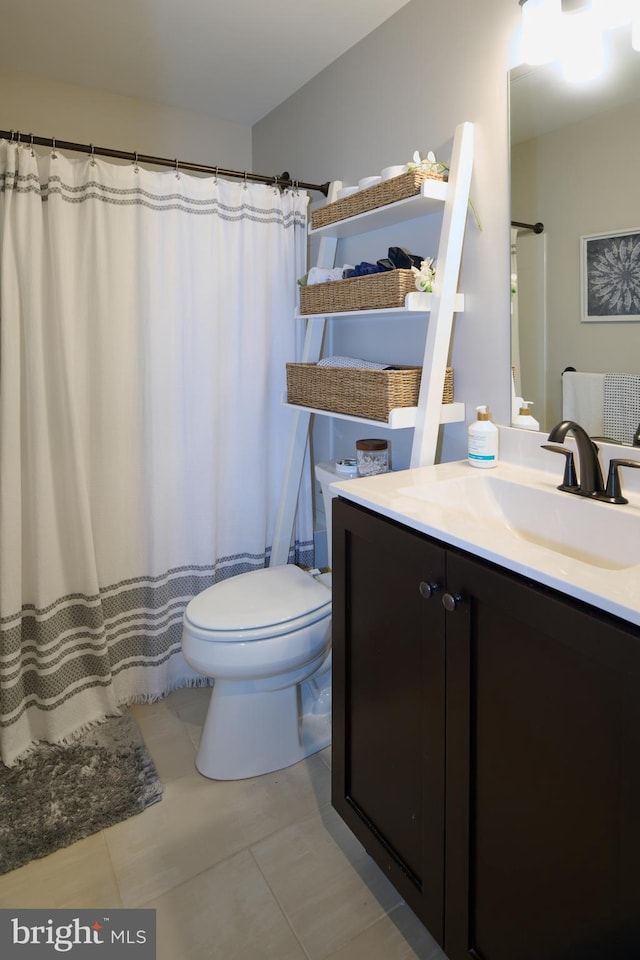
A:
(388, 695)
(543, 774)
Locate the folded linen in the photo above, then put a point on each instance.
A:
(621, 406)
(325, 275)
(364, 269)
(353, 362)
(583, 400)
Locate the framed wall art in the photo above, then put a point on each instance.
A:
(610, 265)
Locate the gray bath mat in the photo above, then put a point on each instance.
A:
(59, 794)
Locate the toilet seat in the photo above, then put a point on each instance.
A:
(258, 605)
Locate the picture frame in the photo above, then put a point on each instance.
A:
(610, 268)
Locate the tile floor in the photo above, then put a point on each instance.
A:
(258, 869)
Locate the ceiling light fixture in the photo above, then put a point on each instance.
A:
(570, 31)
(582, 50)
(540, 30)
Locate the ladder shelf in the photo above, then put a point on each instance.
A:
(433, 193)
(401, 418)
(415, 303)
(451, 198)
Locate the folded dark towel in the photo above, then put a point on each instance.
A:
(403, 260)
(398, 259)
(363, 269)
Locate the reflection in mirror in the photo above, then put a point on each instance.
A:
(575, 167)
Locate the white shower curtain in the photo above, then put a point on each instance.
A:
(146, 320)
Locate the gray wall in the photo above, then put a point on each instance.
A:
(49, 108)
(405, 87)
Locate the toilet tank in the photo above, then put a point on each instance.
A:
(326, 474)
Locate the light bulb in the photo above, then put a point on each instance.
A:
(582, 50)
(540, 30)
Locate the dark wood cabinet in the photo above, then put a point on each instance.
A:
(388, 691)
(487, 757)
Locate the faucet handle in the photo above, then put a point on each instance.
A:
(569, 480)
(613, 493)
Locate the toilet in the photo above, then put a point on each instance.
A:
(265, 638)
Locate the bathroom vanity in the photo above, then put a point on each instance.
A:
(486, 742)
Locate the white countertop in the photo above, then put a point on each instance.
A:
(611, 584)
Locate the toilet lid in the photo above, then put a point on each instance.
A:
(280, 598)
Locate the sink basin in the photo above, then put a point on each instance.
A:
(598, 534)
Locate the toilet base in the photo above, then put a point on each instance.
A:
(248, 733)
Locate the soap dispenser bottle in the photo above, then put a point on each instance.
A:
(483, 440)
(525, 420)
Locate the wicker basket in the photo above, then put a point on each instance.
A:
(356, 391)
(387, 191)
(376, 291)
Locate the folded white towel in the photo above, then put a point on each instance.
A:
(583, 400)
(352, 362)
(324, 275)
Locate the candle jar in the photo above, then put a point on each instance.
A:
(372, 457)
(347, 467)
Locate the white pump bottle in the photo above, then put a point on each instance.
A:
(525, 420)
(483, 440)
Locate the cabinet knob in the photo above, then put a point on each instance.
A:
(450, 601)
(427, 590)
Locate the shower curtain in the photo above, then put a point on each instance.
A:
(145, 322)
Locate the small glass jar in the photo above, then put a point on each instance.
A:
(372, 457)
(347, 467)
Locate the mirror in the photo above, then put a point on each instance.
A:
(575, 167)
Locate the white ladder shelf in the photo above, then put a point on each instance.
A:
(453, 197)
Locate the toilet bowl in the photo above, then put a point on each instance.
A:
(265, 638)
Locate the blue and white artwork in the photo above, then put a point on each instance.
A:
(611, 276)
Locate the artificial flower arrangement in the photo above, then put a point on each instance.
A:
(429, 163)
(425, 275)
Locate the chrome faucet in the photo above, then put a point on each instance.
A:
(589, 482)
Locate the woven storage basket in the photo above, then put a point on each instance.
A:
(387, 191)
(376, 291)
(358, 392)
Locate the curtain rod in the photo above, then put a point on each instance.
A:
(284, 180)
(535, 227)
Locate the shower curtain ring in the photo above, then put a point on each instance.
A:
(31, 139)
(245, 180)
(177, 171)
(276, 183)
(92, 155)
(215, 176)
(54, 155)
(136, 168)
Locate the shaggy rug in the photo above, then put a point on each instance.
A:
(59, 794)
